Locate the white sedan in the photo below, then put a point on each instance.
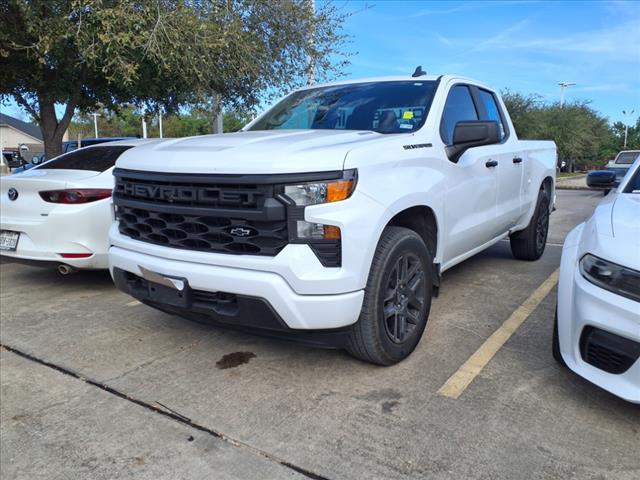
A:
(59, 213)
(597, 332)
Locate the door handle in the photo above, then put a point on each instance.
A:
(517, 160)
(491, 164)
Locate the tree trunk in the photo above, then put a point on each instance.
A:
(53, 130)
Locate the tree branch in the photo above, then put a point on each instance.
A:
(68, 115)
(20, 100)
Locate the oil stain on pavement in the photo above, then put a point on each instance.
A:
(235, 359)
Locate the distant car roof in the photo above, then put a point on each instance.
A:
(126, 142)
(107, 139)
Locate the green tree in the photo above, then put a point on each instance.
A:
(80, 54)
(633, 135)
(582, 135)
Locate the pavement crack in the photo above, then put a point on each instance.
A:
(138, 367)
(167, 413)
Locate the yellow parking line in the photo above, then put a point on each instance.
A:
(134, 303)
(459, 381)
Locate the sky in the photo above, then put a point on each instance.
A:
(527, 46)
(524, 46)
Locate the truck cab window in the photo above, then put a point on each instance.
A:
(488, 100)
(459, 108)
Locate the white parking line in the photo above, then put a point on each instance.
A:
(134, 303)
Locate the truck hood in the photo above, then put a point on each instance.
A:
(624, 218)
(272, 151)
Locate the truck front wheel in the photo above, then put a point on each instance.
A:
(397, 299)
(528, 244)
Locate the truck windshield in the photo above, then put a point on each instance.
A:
(384, 107)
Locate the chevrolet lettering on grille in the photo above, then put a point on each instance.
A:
(186, 194)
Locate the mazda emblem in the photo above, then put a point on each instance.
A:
(12, 194)
(240, 232)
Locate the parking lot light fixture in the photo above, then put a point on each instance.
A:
(564, 85)
(95, 123)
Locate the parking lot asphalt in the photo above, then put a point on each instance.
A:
(96, 385)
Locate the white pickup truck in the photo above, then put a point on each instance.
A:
(331, 217)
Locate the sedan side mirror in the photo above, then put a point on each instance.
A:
(475, 133)
(602, 180)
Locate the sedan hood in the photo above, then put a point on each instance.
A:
(273, 151)
(625, 219)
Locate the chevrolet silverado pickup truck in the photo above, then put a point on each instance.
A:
(331, 217)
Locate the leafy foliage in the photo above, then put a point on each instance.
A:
(128, 123)
(85, 54)
(581, 134)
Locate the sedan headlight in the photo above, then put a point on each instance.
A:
(611, 276)
(315, 193)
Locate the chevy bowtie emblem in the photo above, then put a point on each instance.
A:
(240, 232)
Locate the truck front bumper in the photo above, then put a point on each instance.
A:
(260, 299)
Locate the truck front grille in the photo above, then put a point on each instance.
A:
(205, 233)
(210, 213)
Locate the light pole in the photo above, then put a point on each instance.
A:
(564, 85)
(626, 125)
(160, 121)
(95, 123)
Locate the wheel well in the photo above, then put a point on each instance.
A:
(547, 187)
(421, 220)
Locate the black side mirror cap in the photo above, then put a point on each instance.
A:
(601, 179)
(475, 133)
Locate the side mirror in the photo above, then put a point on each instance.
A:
(602, 180)
(470, 134)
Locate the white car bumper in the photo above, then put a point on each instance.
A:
(81, 229)
(581, 305)
(301, 312)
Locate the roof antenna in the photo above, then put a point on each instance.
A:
(419, 72)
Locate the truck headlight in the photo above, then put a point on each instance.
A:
(315, 193)
(611, 276)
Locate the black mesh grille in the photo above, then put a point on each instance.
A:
(211, 213)
(607, 351)
(205, 233)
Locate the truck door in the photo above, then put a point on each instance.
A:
(510, 162)
(470, 202)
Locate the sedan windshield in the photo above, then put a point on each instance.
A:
(384, 107)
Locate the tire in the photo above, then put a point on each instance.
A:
(555, 343)
(528, 244)
(397, 299)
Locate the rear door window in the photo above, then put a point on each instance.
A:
(459, 108)
(96, 159)
(491, 110)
